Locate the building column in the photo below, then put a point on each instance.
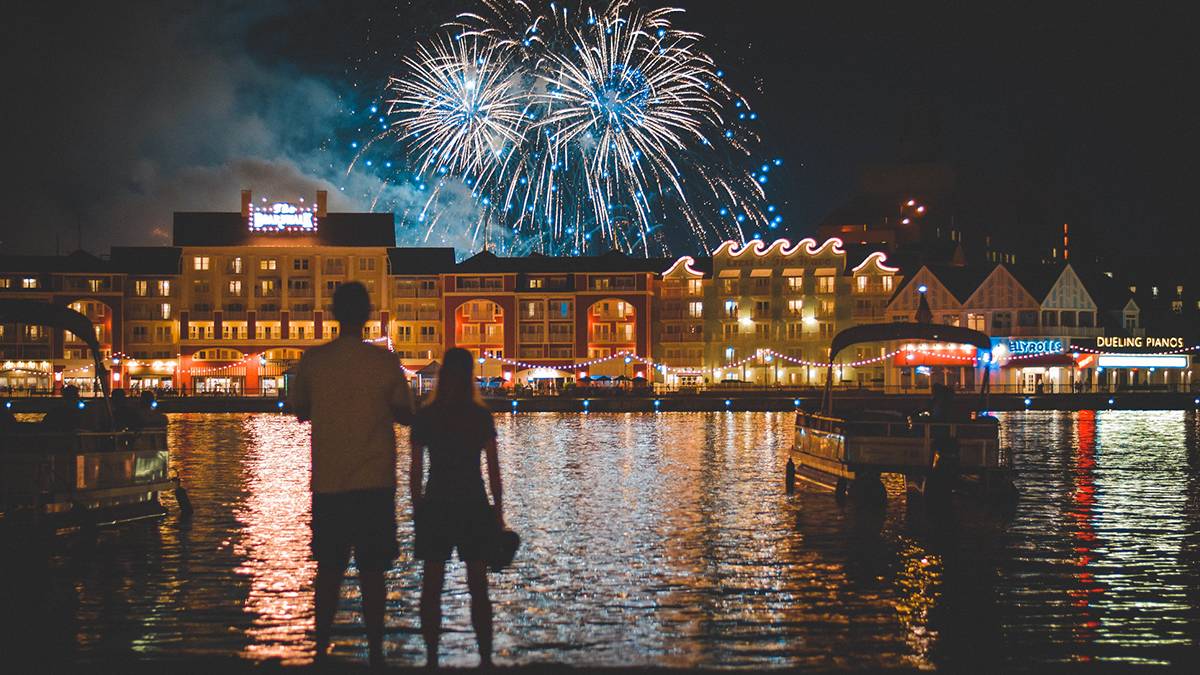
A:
(319, 324)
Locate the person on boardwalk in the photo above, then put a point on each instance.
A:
(353, 392)
(452, 510)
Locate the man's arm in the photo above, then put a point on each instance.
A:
(493, 469)
(298, 396)
(402, 397)
(416, 468)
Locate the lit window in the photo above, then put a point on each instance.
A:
(1154, 291)
(267, 264)
(141, 288)
(887, 283)
(95, 285)
(536, 283)
(164, 287)
(5, 283)
(200, 263)
(696, 309)
(795, 307)
(235, 287)
(861, 280)
(795, 284)
(29, 282)
(695, 286)
(165, 310)
(235, 265)
(1177, 306)
(825, 284)
(1179, 290)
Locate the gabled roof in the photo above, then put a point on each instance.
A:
(334, 229)
(146, 259)
(80, 262)
(961, 281)
(1038, 280)
(417, 260)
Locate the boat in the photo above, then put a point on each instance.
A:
(62, 479)
(940, 451)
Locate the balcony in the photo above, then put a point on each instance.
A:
(562, 337)
(611, 338)
(534, 336)
(300, 292)
(200, 315)
(681, 337)
(260, 292)
(300, 315)
(267, 315)
(428, 339)
(612, 316)
(405, 292)
(404, 315)
(429, 314)
(487, 317)
(427, 293)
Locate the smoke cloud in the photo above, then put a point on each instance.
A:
(132, 111)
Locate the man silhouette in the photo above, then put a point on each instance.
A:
(352, 392)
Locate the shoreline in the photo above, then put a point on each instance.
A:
(713, 401)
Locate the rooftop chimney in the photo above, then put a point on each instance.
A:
(246, 197)
(322, 198)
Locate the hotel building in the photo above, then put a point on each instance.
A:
(234, 302)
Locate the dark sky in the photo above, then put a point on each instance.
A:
(119, 114)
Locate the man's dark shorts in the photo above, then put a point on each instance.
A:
(443, 526)
(362, 520)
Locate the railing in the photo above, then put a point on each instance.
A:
(300, 292)
(233, 315)
(428, 292)
(260, 292)
(562, 337)
(200, 315)
(300, 315)
(429, 315)
(681, 337)
(428, 339)
(407, 315)
(267, 315)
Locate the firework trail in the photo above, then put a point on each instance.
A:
(578, 130)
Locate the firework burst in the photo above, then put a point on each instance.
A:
(580, 130)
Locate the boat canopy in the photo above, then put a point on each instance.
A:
(37, 313)
(46, 314)
(883, 332)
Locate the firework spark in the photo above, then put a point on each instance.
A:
(580, 130)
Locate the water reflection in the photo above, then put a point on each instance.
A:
(275, 538)
(668, 540)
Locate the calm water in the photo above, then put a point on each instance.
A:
(667, 539)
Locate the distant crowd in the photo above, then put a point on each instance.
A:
(72, 413)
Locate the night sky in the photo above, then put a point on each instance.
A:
(121, 113)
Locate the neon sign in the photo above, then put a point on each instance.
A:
(282, 217)
(1140, 342)
(1043, 346)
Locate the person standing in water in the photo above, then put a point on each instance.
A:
(353, 392)
(452, 511)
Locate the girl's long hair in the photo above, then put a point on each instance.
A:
(456, 381)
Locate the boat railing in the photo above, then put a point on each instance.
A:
(37, 440)
(911, 426)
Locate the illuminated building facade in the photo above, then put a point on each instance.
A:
(232, 305)
(1050, 329)
(765, 314)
